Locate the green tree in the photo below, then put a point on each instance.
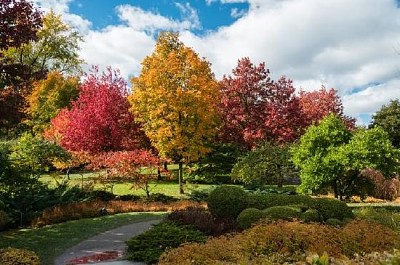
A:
(48, 97)
(388, 117)
(329, 156)
(34, 155)
(55, 49)
(267, 164)
(175, 97)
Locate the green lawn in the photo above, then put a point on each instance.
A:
(170, 188)
(50, 241)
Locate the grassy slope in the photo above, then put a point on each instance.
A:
(50, 241)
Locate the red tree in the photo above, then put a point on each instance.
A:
(316, 105)
(254, 108)
(99, 120)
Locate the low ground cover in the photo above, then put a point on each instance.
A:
(51, 241)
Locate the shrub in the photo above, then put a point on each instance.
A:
(381, 216)
(202, 219)
(283, 213)
(149, 246)
(129, 197)
(311, 215)
(102, 195)
(331, 208)
(14, 256)
(286, 243)
(199, 195)
(386, 189)
(159, 197)
(5, 220)
(227, 201)
(264, 201)
(334, 222)
(248, 217)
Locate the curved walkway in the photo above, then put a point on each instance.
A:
(112, 241)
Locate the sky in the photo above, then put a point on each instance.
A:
(350, 45)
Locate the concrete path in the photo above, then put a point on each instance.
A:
(110, 241)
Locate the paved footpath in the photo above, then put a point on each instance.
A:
(113, 240)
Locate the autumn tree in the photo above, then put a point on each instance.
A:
(388, 117)
(55, 49)
(330, 156)
(175, 97)
(316, 105)
(99, 120)
(255, 109)
(48, 97)
(19, 24)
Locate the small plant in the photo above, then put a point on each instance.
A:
(149, 246)
(311, 215)
(15, 256)
(283, 213)
(334, 222)
(331, 208)
(248, 217)
(227, 201)
(159, 197)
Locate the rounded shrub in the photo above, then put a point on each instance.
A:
(15, 256)
(332, 208)
(248, 217)
(283, 213)
(311, 215)
(264, 201)
(334, 222)
(227, 201)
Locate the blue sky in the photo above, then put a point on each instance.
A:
(350, 45)
(211, 15)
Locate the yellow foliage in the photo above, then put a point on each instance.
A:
(176, 97)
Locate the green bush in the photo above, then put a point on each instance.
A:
(5, 220)
(248, 217)
(14, 256)
(334, 222)
(283, 213)
(331, 208)
(264, 201)
(149, 246)
(311, 215)
(160, 197)
(227, 201)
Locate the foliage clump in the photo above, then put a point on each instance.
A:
(281, 242)
(283, 213)
(202, 219)
(149, 246)
(15, 256)
(227, 201)
(248, 217)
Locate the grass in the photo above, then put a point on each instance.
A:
(170, 188)
(51, 241)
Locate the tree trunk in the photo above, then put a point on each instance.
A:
(180, 178)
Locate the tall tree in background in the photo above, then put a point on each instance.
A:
(255, 109)
(54, 49)
(318, 104)
(176, 97)
(19, 24)
(48, 97)
(388, 117)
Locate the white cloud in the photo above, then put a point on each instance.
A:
(61, 7)
(236, 13)
(141, 20)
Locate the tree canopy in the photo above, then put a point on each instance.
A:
(175, 97)
(388, 117)
(329, 155)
